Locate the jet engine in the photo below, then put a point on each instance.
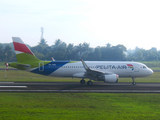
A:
(110, 78)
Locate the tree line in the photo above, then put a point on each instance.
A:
(61, 51)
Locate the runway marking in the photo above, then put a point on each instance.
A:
(86, 91)
(6, 82)
(13, 86)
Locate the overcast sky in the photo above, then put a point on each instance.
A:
(97, 22)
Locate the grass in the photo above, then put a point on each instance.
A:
(2, 64)
(152, 63)
(24, 76)
(80, 106)
(155, 68)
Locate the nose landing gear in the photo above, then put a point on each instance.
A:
(133, 83)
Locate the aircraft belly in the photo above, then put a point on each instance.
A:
(66, 72)
(120, 73)
(124, 73)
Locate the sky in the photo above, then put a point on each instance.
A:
(132, 23)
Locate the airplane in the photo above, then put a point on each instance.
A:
(107, 71)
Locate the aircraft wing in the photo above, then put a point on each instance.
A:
(93, 73)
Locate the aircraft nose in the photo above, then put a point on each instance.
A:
(150, 71)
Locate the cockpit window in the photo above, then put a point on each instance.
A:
(144, 67)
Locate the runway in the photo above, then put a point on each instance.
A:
(76, 87)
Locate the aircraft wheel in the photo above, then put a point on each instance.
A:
(133, 79)
(89, 83)
(134, 83)
(82, 82)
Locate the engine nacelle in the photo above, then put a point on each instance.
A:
(79, 75)
(110, 78)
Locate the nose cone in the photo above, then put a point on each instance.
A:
(150, 71)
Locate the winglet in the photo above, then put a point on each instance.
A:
(85, 65)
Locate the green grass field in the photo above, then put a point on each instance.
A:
(2, 65)
(21, 76)
(152, 63)
(79, 106)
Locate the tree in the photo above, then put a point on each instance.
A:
(59, 50)
(153, 49)
(70, 52)
(1, 53)
(39, 55)
(8, 52)
(108, 45)
(152, 55)
(43, 43)
(119, 52)
(97, 53)
(58, 42)
(82, 50)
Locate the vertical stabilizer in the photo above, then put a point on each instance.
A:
(23, 53)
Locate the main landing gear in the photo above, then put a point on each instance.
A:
(134, 83)
(89, 83)
(82, 81)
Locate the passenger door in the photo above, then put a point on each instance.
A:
(41, 66)
(136, 68)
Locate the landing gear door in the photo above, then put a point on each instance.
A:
(41, 66)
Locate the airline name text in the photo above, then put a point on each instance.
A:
(111, 67)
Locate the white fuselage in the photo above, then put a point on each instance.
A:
(123, 69)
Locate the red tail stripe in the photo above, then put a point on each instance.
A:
(22, 48)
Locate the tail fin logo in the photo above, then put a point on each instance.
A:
(23, 53)
(20, 47)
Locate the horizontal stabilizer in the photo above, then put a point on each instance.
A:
(24, 66)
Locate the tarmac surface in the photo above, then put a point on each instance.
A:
(76, 87)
